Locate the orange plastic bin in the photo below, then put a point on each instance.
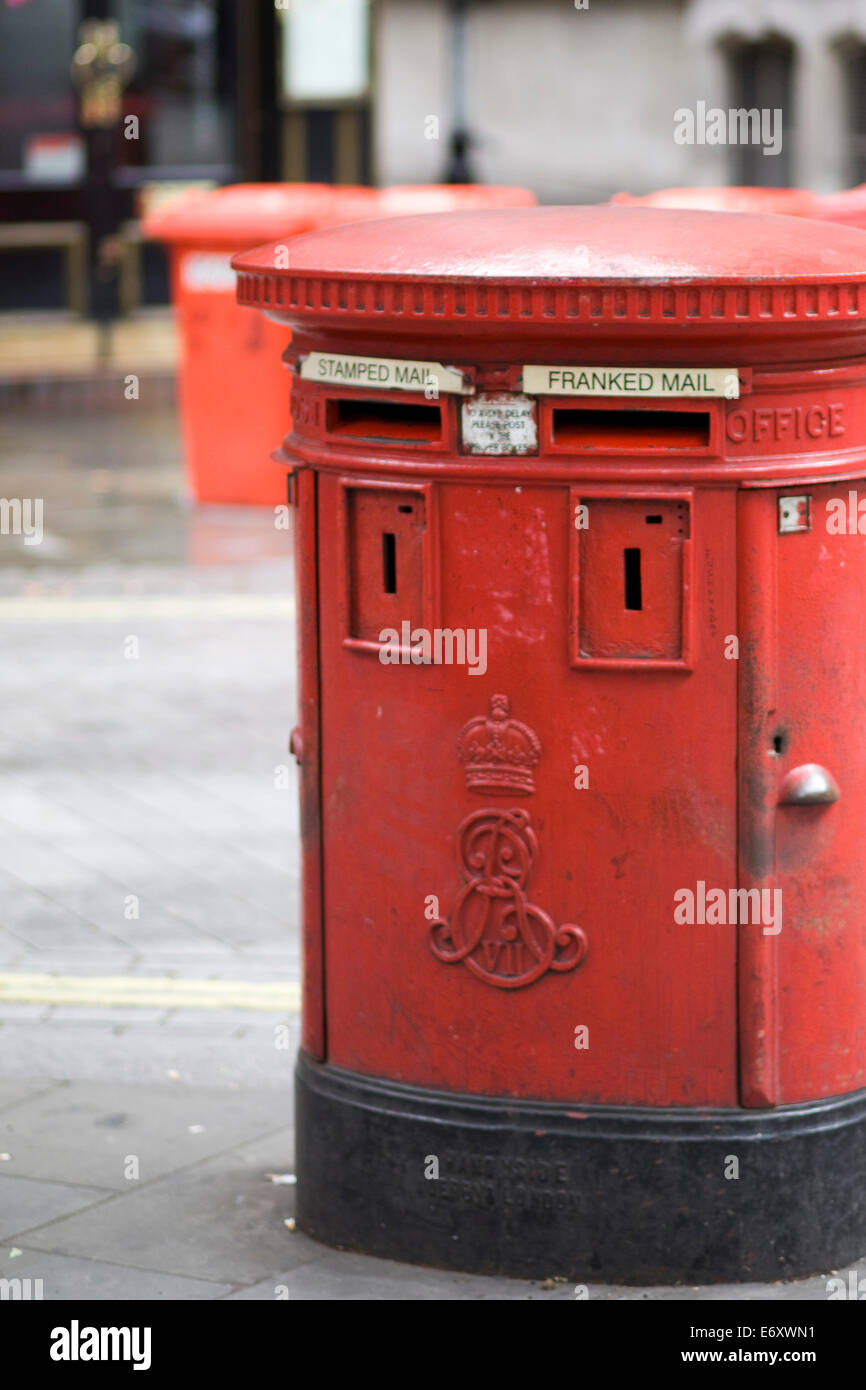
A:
(233, 389)
(227, 361)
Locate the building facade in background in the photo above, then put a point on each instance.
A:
(576, 99)
(580, 103)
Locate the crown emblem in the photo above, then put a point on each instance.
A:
(498, 752)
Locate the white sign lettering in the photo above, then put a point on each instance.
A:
(632, 381)
(499, 424)
(383, 373)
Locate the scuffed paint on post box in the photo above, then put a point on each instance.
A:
(586, 918)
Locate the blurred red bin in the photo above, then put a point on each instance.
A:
(848, 206)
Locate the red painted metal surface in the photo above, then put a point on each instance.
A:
(305, 745)
(821, 687)
(758, 636)
(504, 843)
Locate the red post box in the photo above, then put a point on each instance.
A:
(581, 563)
(848, 206)
(403, 198)
(794, 202)
(226, 356)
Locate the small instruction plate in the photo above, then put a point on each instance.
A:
(794, 514)
(500, 424)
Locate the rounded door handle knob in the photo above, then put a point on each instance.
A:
(808, 785)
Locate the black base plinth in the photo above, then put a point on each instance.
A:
(590, 1193)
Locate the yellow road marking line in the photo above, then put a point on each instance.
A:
(153, 992)
(88, 609)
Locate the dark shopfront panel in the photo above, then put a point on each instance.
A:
(223, 91)
(55, 176)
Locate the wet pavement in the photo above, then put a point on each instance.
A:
(117, 516)
(148, 869)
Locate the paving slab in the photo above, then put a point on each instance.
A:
(27, 1202)
(110, 961)
(340, 1276)
(38, 921)
(83, 1132)
(68, 1278)
(221, 1219)
(142, 1055)
(13, 1092)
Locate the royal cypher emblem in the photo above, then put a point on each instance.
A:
(494, 929)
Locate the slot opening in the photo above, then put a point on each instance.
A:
(631, 575)
(385, 422)
(631, 429)
(389, 562)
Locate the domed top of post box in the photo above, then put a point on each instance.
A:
(608, 272)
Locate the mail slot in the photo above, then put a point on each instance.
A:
(630, 429)
(582, 671)
(391, 422)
